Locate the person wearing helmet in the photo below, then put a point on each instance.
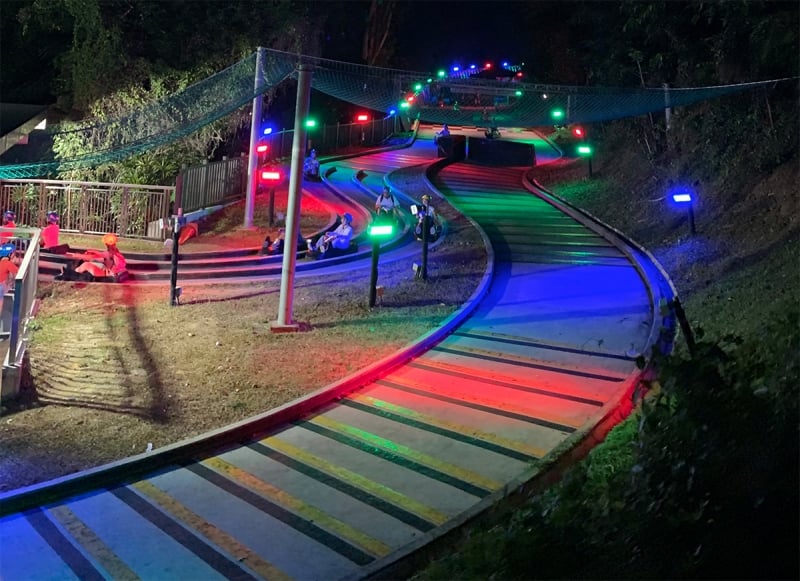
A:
(110, 263)
(338, 239)
(434, 227)
(445, 132)
(311, 165)
(9, 264)
(50, 233)
(9, 217)
(387, 205)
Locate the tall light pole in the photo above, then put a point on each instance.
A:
(252, 156)
(285, 323)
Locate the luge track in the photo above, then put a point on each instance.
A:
(344, 484)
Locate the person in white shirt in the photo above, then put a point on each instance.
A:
(338, 239)
(386, 204)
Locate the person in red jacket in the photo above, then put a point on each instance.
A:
(50, 232)
(9, 264)
(8, 222)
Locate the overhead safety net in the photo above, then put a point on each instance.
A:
(460, 99)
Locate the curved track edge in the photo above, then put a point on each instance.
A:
(130, 468)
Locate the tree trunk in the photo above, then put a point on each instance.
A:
(379, 21)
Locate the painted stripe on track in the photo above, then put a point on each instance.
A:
(298, 507)
(476, 406)
(524, 341)
(301, 525)
(416, 514)
(465, 480)
(220, 538)
(460, 432)
(83, 568)
(464, 352)
(454, 371)
(92, 544)
(172, 528)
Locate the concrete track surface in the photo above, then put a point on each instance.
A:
(348, 481)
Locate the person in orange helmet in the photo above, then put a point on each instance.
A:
(111, 263)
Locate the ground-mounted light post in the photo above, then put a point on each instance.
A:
(683, 196)
(586, 150)
(272, 178)
(310, 124)
(378, 232)
(174, 292)
(426, 224)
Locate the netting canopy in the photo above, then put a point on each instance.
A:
(435, 98)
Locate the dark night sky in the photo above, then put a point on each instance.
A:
(438, 34)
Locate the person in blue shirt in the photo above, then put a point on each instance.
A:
(311, 165)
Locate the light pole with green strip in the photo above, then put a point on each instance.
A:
(378, 232)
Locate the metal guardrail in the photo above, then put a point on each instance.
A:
(211, 184)
(130, 210)
(19, 308)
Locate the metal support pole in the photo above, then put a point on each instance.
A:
(255, 126)
(173, 279)
(425, 228)
(373, 274)
(271, 206)
(686, 328)
(667, 108)
(285, 322)
(590, 165)
(692, 229)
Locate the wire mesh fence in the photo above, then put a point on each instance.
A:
(426, 96)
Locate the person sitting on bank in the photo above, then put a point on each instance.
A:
(111, 263)
(277, 246)
(434, 228)
(445, 132)
(9, 217)
(338, 239)
(9, 265)
(50, 233)
(311, 165)
(387, 205)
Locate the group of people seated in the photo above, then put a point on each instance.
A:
(434, 225)
(88, 265)
(387, 206)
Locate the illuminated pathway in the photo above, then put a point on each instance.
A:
(352, 478)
